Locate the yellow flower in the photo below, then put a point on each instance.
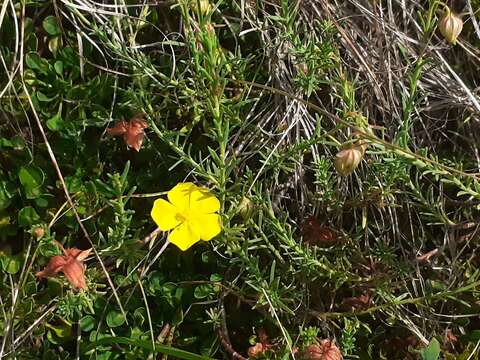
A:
(190, 212)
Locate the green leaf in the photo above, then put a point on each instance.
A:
(58, 67)
(472, 336)
(28, 216)
(139, 315)
(62, 331)
(59, 334)
(31, 42)
(432, 351)
(15, 142)
(5, 195)
(31, 178)
(11, 263)
(51, 26)
(87, 323)
(35, 62)
(5, 143)
(104, 355)
(41, 202)
(54, 44)
(43, 98)
(56, 123)
(167, 350)
(115, 319)
(203, 291)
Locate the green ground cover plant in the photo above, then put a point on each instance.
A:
(336, 140)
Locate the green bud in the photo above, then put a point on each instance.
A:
(246, 208)
(202, 6)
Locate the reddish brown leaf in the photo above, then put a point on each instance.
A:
(427, 256)
(361, 302)
(260, 347)
(255, 350)
(326, 349)
(74, 271)
(71, 264)
(318, 235)
(133, 132)
(450, 337)
(120, 128)
(55, 265)
(83, 254)
(134, 140)
(263, 337)
(449, 340)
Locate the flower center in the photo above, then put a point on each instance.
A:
(182, 217)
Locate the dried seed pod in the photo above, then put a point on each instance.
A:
(450, 25)
(347, 160)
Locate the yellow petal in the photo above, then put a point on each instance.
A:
(184, 236)
(207, 226)
(180, 195)
(203, 201)
(165, 215)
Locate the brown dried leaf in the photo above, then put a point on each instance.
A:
(326, 349)
(71, 264)
(427, 256)
(361, 302)
(263, 337)
(55, 265)
(255, 350)
(74, 271)
(319, 235)
(133, 132)
(120, 128)
(449, 339)
(82, 254)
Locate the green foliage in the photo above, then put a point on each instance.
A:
(432, 351)
(251, 99)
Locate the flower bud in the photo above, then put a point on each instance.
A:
(245, 208)
(202, 6)
(450, 25)
(302, 68)
(210, 28)
(347, 160)
(38, 232)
